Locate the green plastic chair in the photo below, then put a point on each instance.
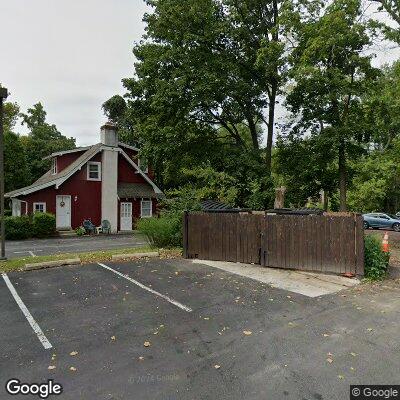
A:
(106, 226)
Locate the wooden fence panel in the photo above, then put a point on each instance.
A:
(329, 243)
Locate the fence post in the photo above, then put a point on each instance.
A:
(185, 234)
(359, 234)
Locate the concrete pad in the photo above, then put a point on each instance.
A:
(51, 264)
(309, 284)
(150, 254)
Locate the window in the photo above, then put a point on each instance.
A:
(39, 207)
(54, 166)
(143, 165)
(146, 208)
(93, 171)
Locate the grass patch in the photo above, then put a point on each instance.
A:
(87, 257)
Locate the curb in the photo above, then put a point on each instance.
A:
(150, 254)
(51, 264)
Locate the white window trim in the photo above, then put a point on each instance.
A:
(39, 203)
(146, 170)
(99, 169)
(54, 166)
(141, 208)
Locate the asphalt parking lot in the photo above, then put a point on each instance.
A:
(211, 334)
(49, 246)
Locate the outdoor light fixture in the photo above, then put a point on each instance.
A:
(3, 96)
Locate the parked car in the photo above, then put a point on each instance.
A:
(381, 220)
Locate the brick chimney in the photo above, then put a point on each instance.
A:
(109, 134)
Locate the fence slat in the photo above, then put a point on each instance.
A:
(329, 243)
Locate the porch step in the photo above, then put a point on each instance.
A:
(67, 233)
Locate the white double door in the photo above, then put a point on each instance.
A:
(126, 217)
(63, 212)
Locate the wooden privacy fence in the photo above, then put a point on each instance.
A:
(323, 243)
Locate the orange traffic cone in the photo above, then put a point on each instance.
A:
(385, 243)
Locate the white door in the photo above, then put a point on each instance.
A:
(126, 217)
(63, 212)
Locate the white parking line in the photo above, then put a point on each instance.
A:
(31, 253)
(172, 301)
(36, 328)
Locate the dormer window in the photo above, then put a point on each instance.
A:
(93, 171)
(143, 165)
(54, 165)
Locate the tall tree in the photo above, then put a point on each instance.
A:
(206, 66)
(42, 140)
(16, 173)
(392, 8)
(331, 72)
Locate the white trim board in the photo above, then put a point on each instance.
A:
(147, 179)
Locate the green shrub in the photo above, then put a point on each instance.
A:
(165, 231)
(44, 224)
(376, 261)
(80, 230)
(18, 227)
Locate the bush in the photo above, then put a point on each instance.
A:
(80, 230)
(18, 227)
(44, 224)
(165, 231)
(376, 261)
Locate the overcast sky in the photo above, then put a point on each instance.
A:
(72, 54)
(69, 54)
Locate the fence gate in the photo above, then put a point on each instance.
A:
(323, 243)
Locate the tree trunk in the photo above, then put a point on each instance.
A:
(253, 132)
(271, 121)
(274, 90)
(342, 176)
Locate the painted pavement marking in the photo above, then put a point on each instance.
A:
(36, 328)
(163, 296)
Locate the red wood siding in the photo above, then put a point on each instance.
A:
(67, 159)
(134, 156)
(135, 210)
(131, 153)
(126, 173)
(85, 197)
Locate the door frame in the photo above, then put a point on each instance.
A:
(120, 216)
(70, 211)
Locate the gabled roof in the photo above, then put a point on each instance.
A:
(127, 146)
(146, 178)
(61, 153)
(138, 190)
(49, 179)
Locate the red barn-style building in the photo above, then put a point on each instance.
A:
(106, 181)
